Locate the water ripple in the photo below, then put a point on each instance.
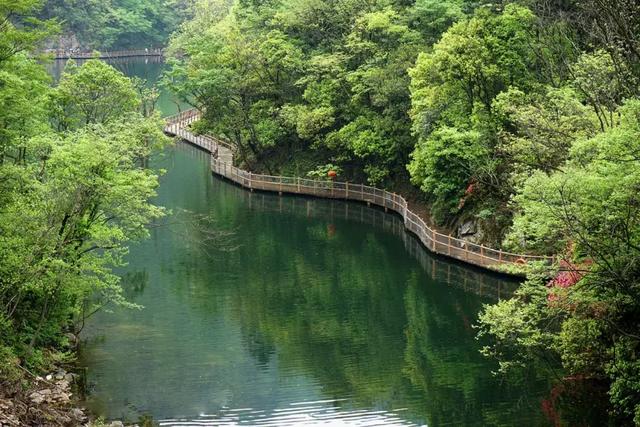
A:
(305, 413)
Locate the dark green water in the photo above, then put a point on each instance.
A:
(268, 310)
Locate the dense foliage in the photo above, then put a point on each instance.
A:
(118, 24)
(521, 115)
(73, 191)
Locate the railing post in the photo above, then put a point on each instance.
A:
(433, 240)
(449, 245)
(500, 255)
(346, 190)
(250, 180)
(298, 179)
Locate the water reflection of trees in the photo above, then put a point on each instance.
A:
(320, 298)
(350, 310)
(366, 322)
(452, 273)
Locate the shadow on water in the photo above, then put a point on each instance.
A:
(451, 272)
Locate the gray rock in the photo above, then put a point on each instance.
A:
(116, 424)
(78, 414)
(36, 398)
(467, 228)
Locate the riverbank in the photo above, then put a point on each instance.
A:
(41, 400)
(49, 400)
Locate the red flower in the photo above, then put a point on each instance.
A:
(470, 189)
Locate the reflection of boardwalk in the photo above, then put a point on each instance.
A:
(71, 54)
(468, 279)
(222, 164)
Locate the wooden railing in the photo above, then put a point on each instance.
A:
(443, 244)
(76, 54)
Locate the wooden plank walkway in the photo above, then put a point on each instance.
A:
(70, 54)
(447, 245)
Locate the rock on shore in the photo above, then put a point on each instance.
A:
(47, 402)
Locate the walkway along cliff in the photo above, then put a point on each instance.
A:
(91, 54)
(222, 165)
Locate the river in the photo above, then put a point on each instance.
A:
(262, 309)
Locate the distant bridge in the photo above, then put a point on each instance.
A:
(85, 54)
(222, 164)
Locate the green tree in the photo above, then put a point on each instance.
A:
(539, 130)
(453, 89)
(93, 93)
(585, 316)
(67, 218)
(119, 24)
(69, 202)
(19, 30)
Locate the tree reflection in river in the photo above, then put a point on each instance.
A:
(376, 328)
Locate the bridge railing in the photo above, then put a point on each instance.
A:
(76, 54)
(437, 242)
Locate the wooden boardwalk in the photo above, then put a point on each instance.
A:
(71, 54)
(447, 245)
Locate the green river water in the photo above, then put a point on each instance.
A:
(268, 310)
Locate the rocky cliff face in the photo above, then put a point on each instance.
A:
(68, 41)
(471, 231)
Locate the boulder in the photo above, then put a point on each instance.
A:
(467, 228)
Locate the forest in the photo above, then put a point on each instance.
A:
(74, 191)
(115, 24)
(522, 117)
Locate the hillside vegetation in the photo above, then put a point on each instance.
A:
(523, 116)
(115, 24)
(74, 193)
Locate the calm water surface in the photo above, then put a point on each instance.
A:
(267, 310)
